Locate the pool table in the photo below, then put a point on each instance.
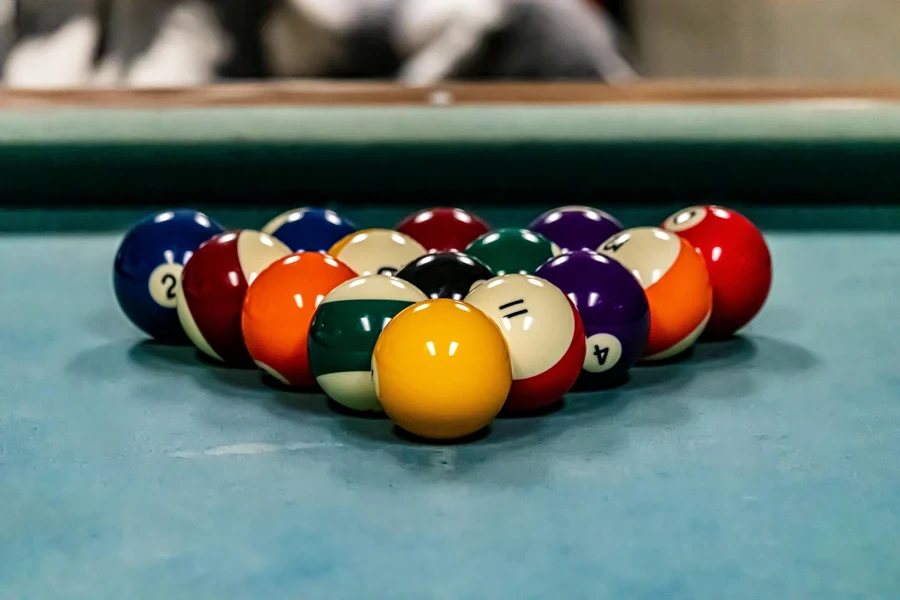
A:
(763, 466)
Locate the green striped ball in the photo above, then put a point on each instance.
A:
(344, 331)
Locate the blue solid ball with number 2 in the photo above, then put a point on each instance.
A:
(147, 269)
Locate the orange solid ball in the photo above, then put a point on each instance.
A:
(279, 308)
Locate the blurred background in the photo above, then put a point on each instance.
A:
(835, 39)
(145, 43)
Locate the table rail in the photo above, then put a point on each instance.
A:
(352, 93)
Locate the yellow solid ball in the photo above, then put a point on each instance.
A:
(442, 369)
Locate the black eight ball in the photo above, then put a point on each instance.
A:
(445, 274)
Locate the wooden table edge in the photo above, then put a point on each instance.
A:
(385, 94)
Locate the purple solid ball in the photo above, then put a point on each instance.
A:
(613, 308)
(576, 227)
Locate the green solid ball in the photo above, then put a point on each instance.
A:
(344, 331)
(508, 251)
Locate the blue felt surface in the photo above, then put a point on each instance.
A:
(763, 467)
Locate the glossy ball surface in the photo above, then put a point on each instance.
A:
(738, 260)
(509, 251)
(213, 285)
(576, 227)
(613, 309)
(377, 251)
(544, 334)
(443, 229)
(441, 369)
(148, 265)
(446, 274)
(675, 281)
(309, 229)
(344, 332)
(278, 310)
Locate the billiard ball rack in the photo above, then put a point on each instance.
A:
(512, 320)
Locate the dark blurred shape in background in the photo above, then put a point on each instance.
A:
(141, 43)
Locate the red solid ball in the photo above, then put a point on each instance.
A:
(738, 260)
(443, 229)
